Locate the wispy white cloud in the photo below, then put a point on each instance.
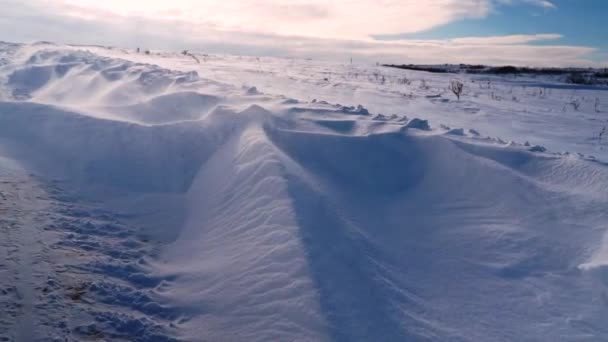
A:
(542, 3)
(539, 3)
(445, 51)
(506, 40)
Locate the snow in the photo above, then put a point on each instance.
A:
(149, 197)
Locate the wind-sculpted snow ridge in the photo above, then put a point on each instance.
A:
(111, 88)
(193, 210)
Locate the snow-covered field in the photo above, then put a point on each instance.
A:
(153, 198)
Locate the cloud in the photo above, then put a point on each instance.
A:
(542, 3)
(539, 3)
(345, 19)
(339, 19)
(439, 52)
(166, 29)
(505, 40)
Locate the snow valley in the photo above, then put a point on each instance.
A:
(161, 197)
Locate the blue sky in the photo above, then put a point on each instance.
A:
(498, 32)
(581, 22)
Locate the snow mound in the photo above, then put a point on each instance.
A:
(83, 80)
(418, 124)
(174, 107)
(115, 153)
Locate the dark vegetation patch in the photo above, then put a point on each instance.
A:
(581, 76)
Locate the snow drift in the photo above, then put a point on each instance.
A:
(312, 221)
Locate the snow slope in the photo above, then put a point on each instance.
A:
(515, 109)
(153, 198)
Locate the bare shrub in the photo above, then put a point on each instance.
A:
(457, 87)
(195, 58)
(577, 78)
(423, 85)
(187, 53)
(404, 80)
(576, 104)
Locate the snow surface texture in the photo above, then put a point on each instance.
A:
(151, 198)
